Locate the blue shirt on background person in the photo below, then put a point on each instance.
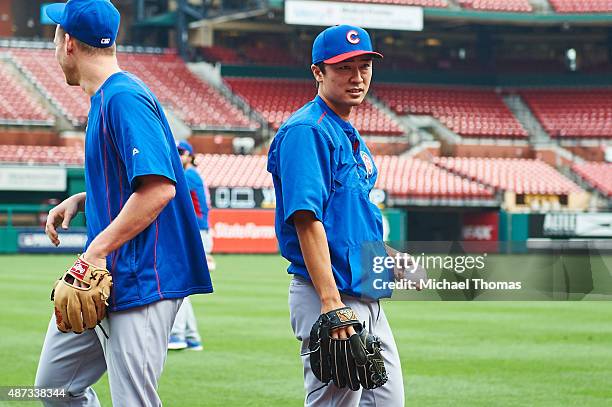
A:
(197, 190)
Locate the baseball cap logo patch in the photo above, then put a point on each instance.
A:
(353, 37)
(105, 41)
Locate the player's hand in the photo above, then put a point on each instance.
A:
(97, 259)
(340, 333)
(61, 215)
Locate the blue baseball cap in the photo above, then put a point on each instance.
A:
(341, 42)
(95, 22)
(184, 146)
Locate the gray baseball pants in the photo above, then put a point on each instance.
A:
(134, 355)
(186, 324)
(304, 309)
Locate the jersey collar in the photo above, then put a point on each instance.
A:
(346, 126)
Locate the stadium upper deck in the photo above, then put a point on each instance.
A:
(472, 112)
(195, 102)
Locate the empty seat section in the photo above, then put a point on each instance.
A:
(567, 113)
(195, 102)
(66, 155)
(467, 112)
(234, 170)
(515, 6)
(419, 179)
(401, 177)
(17, 106)
(597, 174)
(522, 176)
(582, 6)
(42, 69)
(192, 100)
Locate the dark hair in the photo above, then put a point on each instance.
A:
(321, 66)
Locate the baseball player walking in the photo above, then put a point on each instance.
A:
(141, 225)
(323, 173)
(185, 333)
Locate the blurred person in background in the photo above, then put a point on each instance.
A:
(185, 333)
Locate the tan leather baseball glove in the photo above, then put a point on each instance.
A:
(80, 296)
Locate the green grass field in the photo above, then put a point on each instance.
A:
(453, 353)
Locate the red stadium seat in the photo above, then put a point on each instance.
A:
(599, 175)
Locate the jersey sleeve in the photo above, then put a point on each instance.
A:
(304, 158)
(139, 135)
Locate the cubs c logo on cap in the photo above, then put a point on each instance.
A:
(353, 37)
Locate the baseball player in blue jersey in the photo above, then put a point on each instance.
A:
(199, 197)
(185, 333)
(141, 224)
(323, 173)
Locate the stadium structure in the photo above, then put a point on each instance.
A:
(490, 120)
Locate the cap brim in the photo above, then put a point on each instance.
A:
(349, 55)
(55, 11)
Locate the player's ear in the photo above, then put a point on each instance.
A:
(317, 73)
(69, 44)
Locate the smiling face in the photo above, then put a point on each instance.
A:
(345, 84)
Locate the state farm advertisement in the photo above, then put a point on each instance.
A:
(480, 227)
(243, 231)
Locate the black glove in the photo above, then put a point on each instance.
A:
(348, 362)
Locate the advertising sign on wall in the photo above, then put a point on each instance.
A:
(480, 227)
(36, 241)
(243, 231)
(32, 178)
(570, 225)
(328, 13)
